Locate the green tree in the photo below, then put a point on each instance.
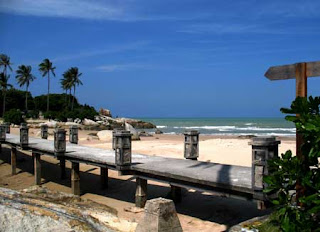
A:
(25, 77)
(67, 83)
(46, 68)
(4, 85)
(5, 63)
(75, 81)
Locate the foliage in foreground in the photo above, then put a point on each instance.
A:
(302, 214)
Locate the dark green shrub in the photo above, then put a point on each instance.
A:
(16, 99)
(303, 213)
(13, 116)
(51, 115)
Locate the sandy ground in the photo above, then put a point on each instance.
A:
(198, 211)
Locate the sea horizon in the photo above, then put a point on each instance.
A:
(235, 126)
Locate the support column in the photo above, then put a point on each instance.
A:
(141, 192)
(37, 168)
(104, 177)
(62, 168)
(75, 178)
(175, 193)
(13, 161)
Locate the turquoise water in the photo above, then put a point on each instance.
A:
(225, 126)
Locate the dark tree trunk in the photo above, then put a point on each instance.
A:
(48, 91)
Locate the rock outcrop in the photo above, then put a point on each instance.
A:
(134, 132)
(105, 135)
(39, 209)
(105, 112)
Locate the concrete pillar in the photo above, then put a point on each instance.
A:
(191, 145)
(159, 216)
(175, 193)
(73, 134)
(24, 135)
(59, 142)
(7, 124)
(44, 131)
(263, 149)
(62, 165)
(13, 161)
(75, 178)
(104, 177)
(37, 168)
(122, 149)
(141, 192)
(2, 133)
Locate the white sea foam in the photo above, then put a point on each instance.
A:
(161, 127)
(234, 128)
(206, 127)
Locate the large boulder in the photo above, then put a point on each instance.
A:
(89, 122)
(105, 112)
(105, 135)
(72, 124)
(134, 132)
(50, 124)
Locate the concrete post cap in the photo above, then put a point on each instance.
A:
(264, 141)
(192, 132)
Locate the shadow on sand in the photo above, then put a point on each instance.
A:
(197, 204)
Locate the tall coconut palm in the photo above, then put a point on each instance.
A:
(4, 85)
(66, 84)
(5, 63)
(46, 68)
(75, 81)
(25, 77)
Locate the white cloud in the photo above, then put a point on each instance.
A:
(108, 50)
(121, 67)
(87, 9)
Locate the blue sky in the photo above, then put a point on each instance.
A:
(144, 58)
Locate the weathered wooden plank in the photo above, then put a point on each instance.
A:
(284, 72)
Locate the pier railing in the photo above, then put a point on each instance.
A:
(231, 180)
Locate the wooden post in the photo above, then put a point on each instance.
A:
(104, 177)
(141, 192)
(301, 91)
(175, 193)
(62, 168)
(75, 178)
(37, 168)
(13, 161)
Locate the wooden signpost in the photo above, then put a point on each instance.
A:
(300, 72)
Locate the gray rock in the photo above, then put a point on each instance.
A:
(134, 132)
(158, 132)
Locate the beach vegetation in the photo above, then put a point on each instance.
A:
(298, 212)
(13, 116)
(46, 67)
(4, 86)
(24, 77)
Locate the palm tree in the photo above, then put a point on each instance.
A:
(24, 77)
(4, 85)
(75, 81)
(66, 84)
(45, 68)
(5, 62)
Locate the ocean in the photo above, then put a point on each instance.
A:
(225, 126)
